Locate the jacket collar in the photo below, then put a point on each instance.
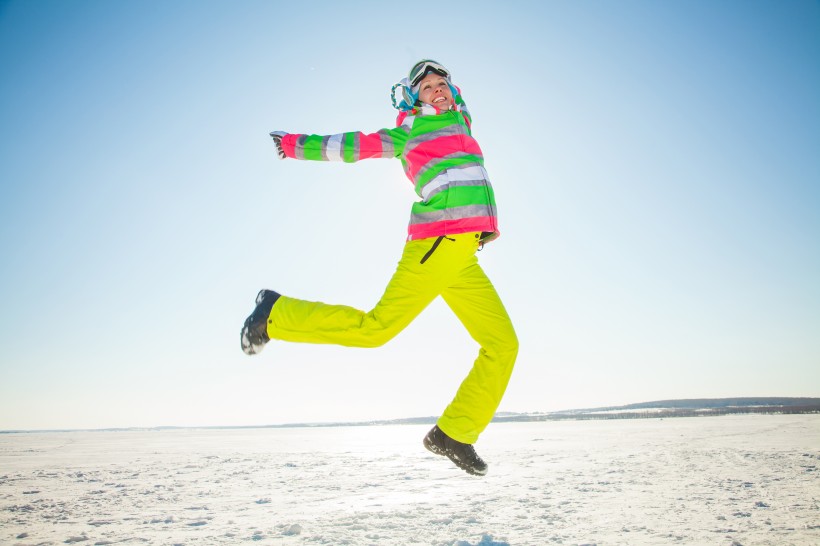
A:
(423, 110)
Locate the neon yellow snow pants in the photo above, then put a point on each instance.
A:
(439, 266)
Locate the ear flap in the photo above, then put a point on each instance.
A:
(410, 98)
(453, 89)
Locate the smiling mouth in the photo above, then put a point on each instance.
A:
(440, 99)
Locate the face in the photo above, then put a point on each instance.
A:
(435, 90)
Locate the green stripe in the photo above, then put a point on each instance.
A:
(460, 196)
(348, 147)
(426, 124)
(313, 148)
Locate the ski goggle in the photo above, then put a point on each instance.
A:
(423, 68)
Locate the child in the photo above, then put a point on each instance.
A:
(455, 217)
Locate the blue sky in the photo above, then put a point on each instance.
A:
(655, 164)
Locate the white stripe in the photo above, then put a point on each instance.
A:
(334, 148)
(433, 185)
(475, 172)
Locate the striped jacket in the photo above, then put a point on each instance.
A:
(439, 156)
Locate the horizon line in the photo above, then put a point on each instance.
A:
(674, 408)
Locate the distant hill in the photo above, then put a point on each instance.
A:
(695, 407)
(710, 403)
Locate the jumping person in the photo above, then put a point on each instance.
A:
(455, 217)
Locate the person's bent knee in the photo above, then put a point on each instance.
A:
(512, 345)
(377, 338)
(504, 349)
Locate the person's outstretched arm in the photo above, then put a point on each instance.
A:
(347, 147)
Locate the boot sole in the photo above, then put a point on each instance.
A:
(436, 450)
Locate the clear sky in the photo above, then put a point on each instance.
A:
(656, 167)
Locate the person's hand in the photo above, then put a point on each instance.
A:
(277, 139)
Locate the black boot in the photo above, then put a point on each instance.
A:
(255, 331)
(463, 455)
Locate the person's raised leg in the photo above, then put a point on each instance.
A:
(413, 286)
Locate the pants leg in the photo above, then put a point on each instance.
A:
(413, 286)
(427, 269)
(476, 303)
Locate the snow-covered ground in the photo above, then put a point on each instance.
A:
(749, 479)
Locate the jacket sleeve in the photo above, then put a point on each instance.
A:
(347, 147)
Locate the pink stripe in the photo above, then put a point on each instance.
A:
(370, 146)
(451, 227)
(440, 147)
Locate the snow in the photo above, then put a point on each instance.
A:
(745, 479)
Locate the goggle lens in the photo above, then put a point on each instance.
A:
(425, 67)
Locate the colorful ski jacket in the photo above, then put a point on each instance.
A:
(439, 156)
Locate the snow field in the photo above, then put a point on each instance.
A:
(736, 480)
